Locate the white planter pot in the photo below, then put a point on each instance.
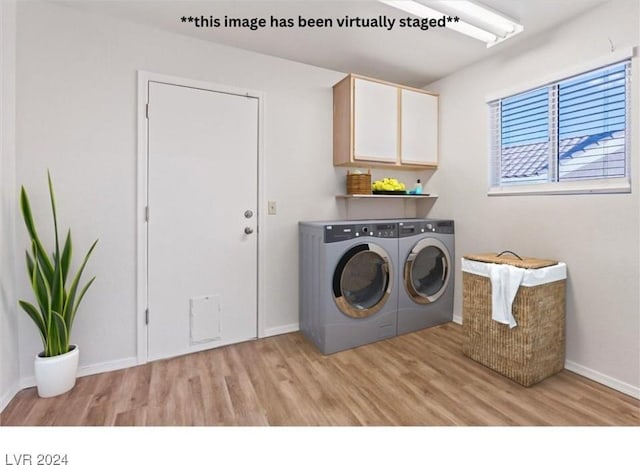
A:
(56, 375)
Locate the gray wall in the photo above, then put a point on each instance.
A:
(76, 114)
(596, 235)
(9, 373)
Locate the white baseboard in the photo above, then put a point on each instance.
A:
(601, 378)
(108, 366)
(8, 396)
(87, 370)
(268, 332)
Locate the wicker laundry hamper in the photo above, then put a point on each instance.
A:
(535, 348)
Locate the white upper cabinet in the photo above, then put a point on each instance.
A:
(377, 123)
(419, 128)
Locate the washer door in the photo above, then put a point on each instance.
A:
(426, 271)
(362, 280)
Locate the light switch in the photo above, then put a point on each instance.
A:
(272, 207)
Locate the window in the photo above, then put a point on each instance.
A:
(572, 133)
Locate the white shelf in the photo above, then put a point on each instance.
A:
(383, 196)
(361, 205)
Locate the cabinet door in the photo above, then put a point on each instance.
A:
(419, 128)
(375, 122)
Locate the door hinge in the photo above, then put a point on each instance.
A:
(146, 213)
(146, 316)
(147, 111)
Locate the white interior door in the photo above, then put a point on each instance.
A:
(202, 229)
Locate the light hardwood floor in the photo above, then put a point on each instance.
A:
(420, 378)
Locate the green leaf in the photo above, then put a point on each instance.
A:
(54, 343)
(63, 334)
(70, 307)
(57, 289)
(25, 207)
(55, 215)
(77, 304)
(33, 279)
(29, 263)
(41, 291)
(66, 256)
(37, 319)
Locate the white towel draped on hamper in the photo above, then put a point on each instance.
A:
(505, 281)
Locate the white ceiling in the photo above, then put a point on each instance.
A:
(408, 56)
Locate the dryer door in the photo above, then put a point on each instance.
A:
(427, 271)
(362, 280)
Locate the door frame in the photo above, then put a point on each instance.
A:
(144, 78)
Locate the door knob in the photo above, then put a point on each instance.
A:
(248, 230)
(248, 214)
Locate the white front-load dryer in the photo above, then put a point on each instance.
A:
(426, 250)
(348, 277)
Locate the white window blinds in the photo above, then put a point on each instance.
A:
(569, 130)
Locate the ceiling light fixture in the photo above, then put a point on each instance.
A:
(490, 27)
(504, 26)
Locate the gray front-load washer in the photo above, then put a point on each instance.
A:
(348, 281)
(427, 256)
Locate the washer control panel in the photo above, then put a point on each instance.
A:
(345, 232)
(413, 228)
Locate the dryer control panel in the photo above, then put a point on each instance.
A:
(413, 228)
(345, 232)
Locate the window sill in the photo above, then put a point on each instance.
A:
(621, 186)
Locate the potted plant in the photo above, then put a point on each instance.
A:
(57, 300)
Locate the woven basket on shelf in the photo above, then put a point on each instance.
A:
(535, 348)
(359, 183)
